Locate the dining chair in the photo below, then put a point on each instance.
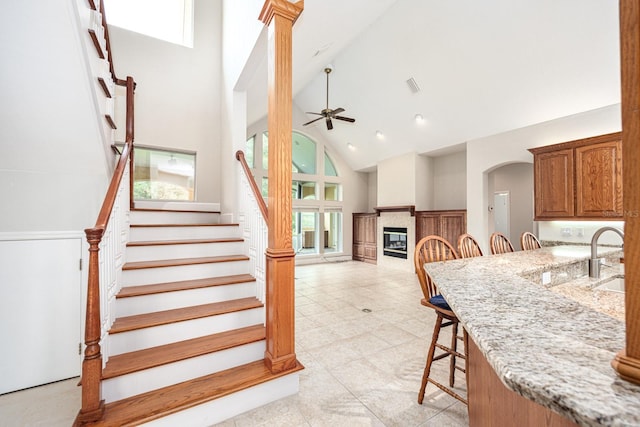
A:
(468, 246)
(500, 244)
(429, 249)
(529, 241)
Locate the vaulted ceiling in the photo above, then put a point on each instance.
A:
(482, 67)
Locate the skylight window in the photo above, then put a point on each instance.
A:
(168, 20)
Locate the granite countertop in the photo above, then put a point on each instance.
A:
(544, 345)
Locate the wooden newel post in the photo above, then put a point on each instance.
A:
(279, 16)
(627, 362)
(92, 403)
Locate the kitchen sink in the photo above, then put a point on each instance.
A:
(615, 285)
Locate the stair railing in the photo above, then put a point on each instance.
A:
(252, 216)
(107, 240)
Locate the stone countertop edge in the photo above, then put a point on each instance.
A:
(542, 345)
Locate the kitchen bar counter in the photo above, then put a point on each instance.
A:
(541, 344)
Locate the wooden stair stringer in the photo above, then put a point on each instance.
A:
(155, 404)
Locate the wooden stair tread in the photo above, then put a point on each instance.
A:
(127, 363)
(157, 288)
(139, 321)
(182, 225)
(185, 241)
(152, 405)
(182, 261)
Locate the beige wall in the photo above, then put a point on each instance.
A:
(450, 181)
(406, 180)
(517, 179)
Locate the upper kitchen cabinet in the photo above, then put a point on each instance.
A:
(579, 179)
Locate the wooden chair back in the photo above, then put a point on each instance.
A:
(529, 242)
(500, 244)
(468, 246)
(430, 249)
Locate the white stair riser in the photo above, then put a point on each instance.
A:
(154, 234)
(177, 205)
(161, 376)
(186, 298)
(147, 276)
(139, 339)
(156, 217)
(219, 410)
(150, 253)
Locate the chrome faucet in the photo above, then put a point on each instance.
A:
(594, 262)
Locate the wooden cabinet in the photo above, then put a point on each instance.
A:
(599, 180)
(449, 224)
(364, 237)
(579, 179)
(553, 181)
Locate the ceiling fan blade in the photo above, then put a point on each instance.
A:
(337, 110)
(311, 112)
(345, 119)
(329, 124)
(314, 120)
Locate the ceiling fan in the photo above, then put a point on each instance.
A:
(328, 113)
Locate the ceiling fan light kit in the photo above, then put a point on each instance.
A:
(328, 114)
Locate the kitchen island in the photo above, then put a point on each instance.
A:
(541, 344)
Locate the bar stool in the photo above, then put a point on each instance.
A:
(430, 249)
(468, 246)
(500, 244)
(528, 241)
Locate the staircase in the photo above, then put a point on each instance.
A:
(187, 343)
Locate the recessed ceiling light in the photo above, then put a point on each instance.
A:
(379, 135)
(419, 118)
(351, 147)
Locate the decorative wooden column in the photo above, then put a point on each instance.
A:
(279, 16)
(627, 362)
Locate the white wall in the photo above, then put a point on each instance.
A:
(485, 154)
(517, 179)
(177, 103)
(243, 47)
(450, 181)
(53, 166)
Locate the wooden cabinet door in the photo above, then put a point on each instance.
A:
(370, 229)
(554, 189)
(364, 237)
(599, 180)
(427, 224)
(452, 225)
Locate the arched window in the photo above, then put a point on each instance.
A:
(316, 191)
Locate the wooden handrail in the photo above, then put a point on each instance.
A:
(252, 182)
(92, 404)
(116, 80)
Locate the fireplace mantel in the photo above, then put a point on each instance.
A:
(407, 208)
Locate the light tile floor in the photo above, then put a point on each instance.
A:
(361, 368)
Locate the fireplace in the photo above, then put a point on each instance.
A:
(395, 242)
